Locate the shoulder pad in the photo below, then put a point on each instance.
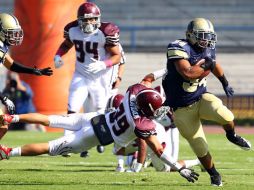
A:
(177, 51)
(109, 29)
(111, 32)
(68, 27)
(144, 128)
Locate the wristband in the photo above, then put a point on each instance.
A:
(175, 165)
(223, 80)
(108, 63)
(120, 78)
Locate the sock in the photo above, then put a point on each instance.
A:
(120, 161)
(230, 132)
(212, 171)
(15, 119)
(190, 163)
(16, 152)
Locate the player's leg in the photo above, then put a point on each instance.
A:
(81, 140)
(99, 92)
(189, 125)
(173, 135)
(212, 109)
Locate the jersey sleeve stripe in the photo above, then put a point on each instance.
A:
(177, 53)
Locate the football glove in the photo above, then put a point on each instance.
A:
(229, 91)
(96, 66)
(46, 71)
(209, 64)
(58, 61)
(189, 174)
(9, 104)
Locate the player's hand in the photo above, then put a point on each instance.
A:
(189, 174)
(209, 64)
(58, 61)
(46, 71)
(96, 66)
(9, 105)
(229, 91)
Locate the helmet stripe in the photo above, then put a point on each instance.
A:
(16, 20)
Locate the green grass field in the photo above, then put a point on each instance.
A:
(97, 171)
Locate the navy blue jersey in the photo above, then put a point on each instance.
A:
(3, 50)
(179, 91)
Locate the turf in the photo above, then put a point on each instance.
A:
(97, 171)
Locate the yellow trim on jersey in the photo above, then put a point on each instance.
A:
(177, 53)
(2, 54)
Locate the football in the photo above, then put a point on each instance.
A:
(205, 73)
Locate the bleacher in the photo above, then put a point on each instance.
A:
(150, 25)
(147, 27)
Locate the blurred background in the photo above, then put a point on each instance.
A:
(146, 28)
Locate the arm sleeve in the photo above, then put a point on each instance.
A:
(160, 73)
(19, 68)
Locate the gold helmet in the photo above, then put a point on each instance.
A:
(200, 32)
(10, 30)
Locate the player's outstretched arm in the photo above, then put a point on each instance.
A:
(12, 65)
(155, 145)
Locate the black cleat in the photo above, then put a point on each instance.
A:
(216, 180)
(84, 154)
(239, 141)
(100, 148)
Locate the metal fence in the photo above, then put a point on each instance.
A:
(241, 105)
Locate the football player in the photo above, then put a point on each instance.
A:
(133, 118)
(167, 134)
(184, 83)
(97, 51)
(11, 34)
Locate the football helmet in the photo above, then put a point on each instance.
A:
(114, 102)
(11, 32)
(86, 11)
(161, 91)
(200, 32)
(148, 101)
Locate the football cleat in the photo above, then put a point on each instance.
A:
(240, 141)
(120, 169)
(6, 119)
(216, 180)
(84, 154)
(4, 152)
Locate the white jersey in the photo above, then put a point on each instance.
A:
(126, 123)
(92, 46)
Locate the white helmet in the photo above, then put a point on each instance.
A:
(10, 30)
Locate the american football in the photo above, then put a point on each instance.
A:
(205, 73)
